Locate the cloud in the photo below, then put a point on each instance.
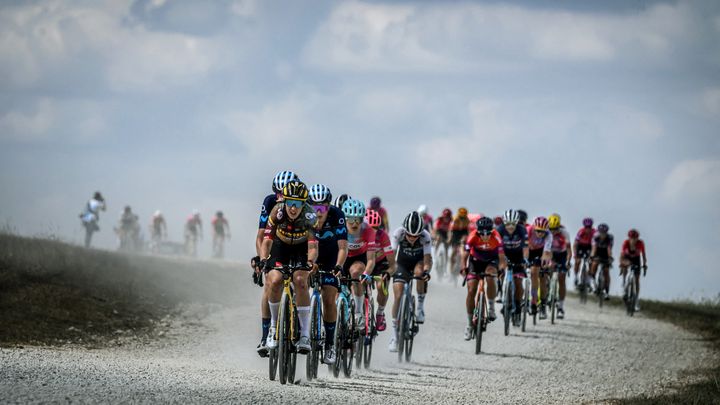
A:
(460, 37)
(711, 101)
(694, 181)
(28, 126)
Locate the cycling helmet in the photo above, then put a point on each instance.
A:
(219, 214)
(128, 209)
(320, 194)
(633, 233)
(340, 200)
(282, 179)
(375, 203)
(497, 221)
(98, 196)
(372, 218)
(353, 208)
(541, 224)
(511, 217)
(422, 209)
(413, 224)
(196, 213)
(522, 216)
(587, 222)
(157, 213)
(462, 212)
(554, 222)
(295, 190)
(447, 212)
(603, 228)
(484, 225)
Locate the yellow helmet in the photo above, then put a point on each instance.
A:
(554, 222)
(462, 212)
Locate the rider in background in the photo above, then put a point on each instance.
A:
(540, 245)
(376, 205)
(561, 255)
(362, 250)
(129, 230)
(633, 248)
(497, 221)
(441, 229)
(384, 265)
(427, 218)
(602, 253)
(483, 253)
(91, 215)
(515, 244)
(221, 230)
(583, 245)
(522, 219)
(193, 232)
(331, 234)
(279, 182)
(458, 235)
(158, 229)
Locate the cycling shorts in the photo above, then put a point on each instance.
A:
(442, 234)
(457, 236)
(560, 259)
(283, 254)
(325, 278)
(362, 258)
(477, 268)
(404, 271)
(381, 266)
(602, 257)
(634, 261)
(518, 270)
(535, 257)
(583, 250)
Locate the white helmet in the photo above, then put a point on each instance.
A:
(422, 209)
(511, 217)
(157, 213)
(413, 224)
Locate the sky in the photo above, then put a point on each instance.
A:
(601, 109)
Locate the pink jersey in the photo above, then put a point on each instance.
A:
(585, 236)
(361, 243)
(383, 245)
(535, 242)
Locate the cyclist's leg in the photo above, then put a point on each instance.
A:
(421, 288)
(518, 279)
(535, 282)
(400, 277)
(606, 274)
(472, 285)
(356, 270)
(302, 300)
(491, 281)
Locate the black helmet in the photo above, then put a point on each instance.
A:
(128, 209)
(219, 213)
(295, 190)
(484, 225)
(522, 216)
(340, 200)
(413, 224)
(98, 196)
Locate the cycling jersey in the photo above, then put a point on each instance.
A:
(585, 236)
(409, 254)
(443, 224)
(267, 206)
(384, 216)
(219, 225)
(362, 242)
(460, 224)
(291, 231)
(193, 225)
(537, 243)
(602, 244)
(514, 243)
(560, 240)
(427, 222)
(383, 244)
(628, 252)
(331, 231)
(485, 250)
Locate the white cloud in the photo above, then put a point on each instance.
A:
(711, 101)
(28, 126)
(460, 36)
(694, 181)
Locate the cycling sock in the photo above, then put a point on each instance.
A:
(380, 310)
(470, 319)
(329, 334)
(265, 328)
(304, 317)
(274, 308)
(421, 301)
(533, 293)
(560, 304)
(358, 304)
(492, 304)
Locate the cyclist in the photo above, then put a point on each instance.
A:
(290, 238)
(413, 245)
(193, 232)
(376, 205)
(497, 221)
(279, 182)
(602, 253)
(458, 235)
(158, 227)
(561, 255)
(91, 214)
(540, 246)
(340, 200)
(442, 227)
(515, 245)
(220, 225)
(483, 252)
(632, 249)
(583, 245)
(331, 235)
(361, 251)
(129, 229)
(522, 218)
(384, 264)
(427, 218)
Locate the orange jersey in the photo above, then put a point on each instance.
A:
(485, 250)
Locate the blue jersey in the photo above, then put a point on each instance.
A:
(514, 243)
(329, 234)
(267, 206)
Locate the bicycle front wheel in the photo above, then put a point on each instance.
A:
(284, 338)
(601, 288)
(349, 350)
(339, 338)
(313, 358)
(525, 304)
(508, 296)
(480, 323)
(401, 328)
(553, 298)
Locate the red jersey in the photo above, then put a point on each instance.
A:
(443, 224)
(585, 236)
(361, 243)
(383, 245)
(485, 250)
(629, 252)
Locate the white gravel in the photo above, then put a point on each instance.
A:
(591, 356)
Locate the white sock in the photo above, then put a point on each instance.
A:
(358, 304)
(380, 310)
(421, 301)
(274, 307)
(492, 304)
(304, 317)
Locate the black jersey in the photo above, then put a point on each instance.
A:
(330, 233)
(267, 206)
(514, 243)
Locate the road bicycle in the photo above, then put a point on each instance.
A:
(480, 313)
(508, 290)
(543, 283)
(407, 324)
(600, 287)
(583, 285)
(440, 258)
(368, 330)
(317, 332)
(631, 296)
(345, 333)
(554, 290)
(287, 333)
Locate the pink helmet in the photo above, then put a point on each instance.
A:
(372, 218)
(541, 224)
(587, 222)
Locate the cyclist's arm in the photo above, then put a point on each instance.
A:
(259, 242)
(644, 258)
(526, 253)
(391, 264)
(370, 265)
(312, 246)
(427, 263)
(342, 252)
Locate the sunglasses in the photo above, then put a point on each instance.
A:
(354, 220)
(540, 232)
(294, 203)
(321, 209)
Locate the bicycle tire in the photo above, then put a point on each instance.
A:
(630, 303)
(401, 328)
(525, 305)
(292, 359)
(583, 283)
(601, 287)
(410, 330)
(370, 337)
(480, 322)
(312, 359)
(553, 297)
(273, 363)
(349, 350)
(359, 344)
(338, 339)
(507, 304)
(283, 338)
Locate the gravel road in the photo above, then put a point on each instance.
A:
(591, 356)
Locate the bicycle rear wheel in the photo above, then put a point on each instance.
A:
(508, 297)
(480, 323)
(284, 338)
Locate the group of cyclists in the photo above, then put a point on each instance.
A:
(129, 229)
(345, 238)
